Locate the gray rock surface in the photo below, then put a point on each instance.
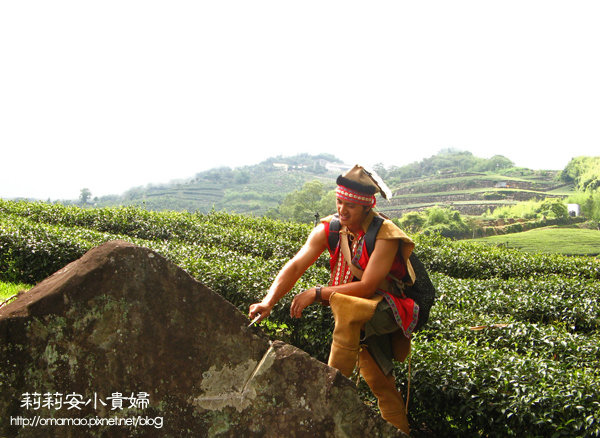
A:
(124, 335)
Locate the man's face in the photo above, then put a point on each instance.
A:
(351, 214)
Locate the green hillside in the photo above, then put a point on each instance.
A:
(485, 192)
(251, 189)
(470, 184)
(473, 193)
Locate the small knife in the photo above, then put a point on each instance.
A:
(256, 318)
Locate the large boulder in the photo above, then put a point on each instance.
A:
(124, 343)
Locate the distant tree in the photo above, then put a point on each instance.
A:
(219, 174)
(590, 178)
(445, 221)
(583, 172)
(498, 162)
(554, 208)
(241, 177)
(412, 222)
(590, 204)
(327, 204)
(301, 205)
(449, 160)
(133, 193)
(436, 220)
(85, 195)
(380, 169)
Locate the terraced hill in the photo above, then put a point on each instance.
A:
(251, 189)
(469, 184)
(473, 193)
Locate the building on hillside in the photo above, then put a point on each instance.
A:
(336, 167)
(282, 166)
(574, 210)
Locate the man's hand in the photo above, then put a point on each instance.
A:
(302, 301)
(263, 309)
(290, 273)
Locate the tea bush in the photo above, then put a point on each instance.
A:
(463, 259)
(551, 299)
(465, 390)
(261, 237)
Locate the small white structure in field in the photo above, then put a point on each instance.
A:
(573, 210)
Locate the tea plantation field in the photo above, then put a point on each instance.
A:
(512, 347)
(553, 239)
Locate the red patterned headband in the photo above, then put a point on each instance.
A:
(353, 196)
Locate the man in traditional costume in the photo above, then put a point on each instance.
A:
(373, 318)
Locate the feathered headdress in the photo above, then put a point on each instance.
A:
(360, 184)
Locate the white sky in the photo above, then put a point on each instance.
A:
(114, 94)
